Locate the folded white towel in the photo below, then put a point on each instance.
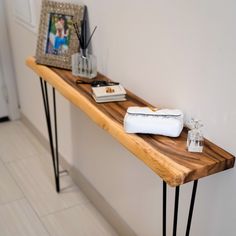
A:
(168, 122)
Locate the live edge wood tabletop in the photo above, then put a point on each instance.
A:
(167, 157)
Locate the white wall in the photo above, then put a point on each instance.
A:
(174, 54)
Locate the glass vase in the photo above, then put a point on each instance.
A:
(84, 64)
(195, 138)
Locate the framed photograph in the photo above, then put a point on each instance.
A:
(57, 40)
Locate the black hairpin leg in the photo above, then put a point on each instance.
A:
(54, 151)
(176, 210)
(164, 210)
(176, 207)
(191, 207)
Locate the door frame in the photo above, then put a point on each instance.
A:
(3, 95)
(8, 67)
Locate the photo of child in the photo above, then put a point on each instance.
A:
(59, 34)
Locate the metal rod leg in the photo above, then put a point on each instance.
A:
(54, 153)
(191, 207)
(164, 210)
(176, 210)
(56, 140)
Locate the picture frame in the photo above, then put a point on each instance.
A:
(57, 40)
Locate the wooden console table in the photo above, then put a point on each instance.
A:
(167, 157)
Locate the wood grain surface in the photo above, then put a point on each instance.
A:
(167, 157)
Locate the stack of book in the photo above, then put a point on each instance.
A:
(113, 93)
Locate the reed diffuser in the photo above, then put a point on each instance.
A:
(84, 64)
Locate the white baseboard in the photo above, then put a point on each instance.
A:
(92, 194)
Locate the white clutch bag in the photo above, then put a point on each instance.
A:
(168, 122)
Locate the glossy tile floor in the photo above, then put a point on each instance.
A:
(29, 205)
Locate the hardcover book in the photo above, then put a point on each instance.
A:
(109, 93)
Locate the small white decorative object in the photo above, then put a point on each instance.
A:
(195, 138)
